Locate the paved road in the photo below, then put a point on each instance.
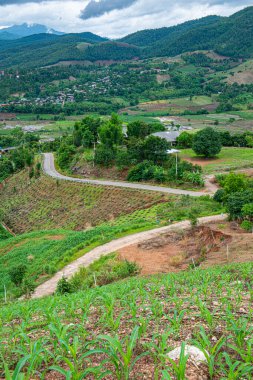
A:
(50, 170)
(49, 287)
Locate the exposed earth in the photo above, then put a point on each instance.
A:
(173, 251)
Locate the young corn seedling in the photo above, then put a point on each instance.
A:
(119, 356)
(179, 370)
(236, 370)
(211, 352)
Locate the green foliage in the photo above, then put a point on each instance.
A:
(17, 274)
(236, 201)
(104, 155)
(247, 211)
(104, 271)
(247, 225)
(234, 183)
(63, 286)
(65, 153)
(219, 196)
(185, 140)
(110, 133)
(145, 171)
(207, 143)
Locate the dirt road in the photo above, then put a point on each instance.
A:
(49, 286)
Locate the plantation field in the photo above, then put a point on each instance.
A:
(45, 203)
(126, 330)
(46, 252)
(228, 159)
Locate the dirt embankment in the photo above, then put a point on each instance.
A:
(203, 246)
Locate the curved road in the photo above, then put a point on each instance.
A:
(49, 287)
(50, 170)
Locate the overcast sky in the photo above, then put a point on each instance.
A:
(112, 18)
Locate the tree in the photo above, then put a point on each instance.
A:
(104, 156)
(111, 134)
(155, 149)
(65, 153)
(207, 143)
(184, 140)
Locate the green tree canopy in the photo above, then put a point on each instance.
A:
(207, 143)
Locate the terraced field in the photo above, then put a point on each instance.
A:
(45, 203)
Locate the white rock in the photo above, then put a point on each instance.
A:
(195, 354)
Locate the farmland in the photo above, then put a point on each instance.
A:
(44, 203)
(128, 329)
(228, 159)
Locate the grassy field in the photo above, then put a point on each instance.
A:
(126, 330)
(228, 159)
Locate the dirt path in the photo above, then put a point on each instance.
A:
(49, 169)
(49, 286)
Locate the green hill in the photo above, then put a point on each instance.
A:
(232, 36)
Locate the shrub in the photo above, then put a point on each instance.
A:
(63, 286)
(219, 196)
(194, 178)
(247, 211)
(236, 201)
(234, 183)
(104, 156)
(247, 225)
(17, 274)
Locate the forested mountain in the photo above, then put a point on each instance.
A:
(232, 36)
(152, 36)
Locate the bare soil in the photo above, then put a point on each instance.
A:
(203, 246)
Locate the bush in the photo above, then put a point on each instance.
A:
(146, 171)
(194, 177)
(207, 143)
(247, 211)
(234, 183)
(247, 225)
(236, 201)
(63, 286)
(219, 196)
(104, 156)
(17, 274)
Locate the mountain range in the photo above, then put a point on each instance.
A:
(229, 36)
(24, 30)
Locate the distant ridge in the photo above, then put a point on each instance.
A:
(230, 36)
(24, 30)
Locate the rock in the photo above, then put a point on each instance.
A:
(195, 354)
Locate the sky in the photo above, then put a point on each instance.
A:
(112, 18)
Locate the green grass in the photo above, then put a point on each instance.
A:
(228, 159)
(107, 328)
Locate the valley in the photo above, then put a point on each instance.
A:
(126, 202)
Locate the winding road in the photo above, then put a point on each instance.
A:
(49, 287)
(49, 169)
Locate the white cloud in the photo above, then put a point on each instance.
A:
(142, 14)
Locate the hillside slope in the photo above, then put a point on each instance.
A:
(232, 36)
